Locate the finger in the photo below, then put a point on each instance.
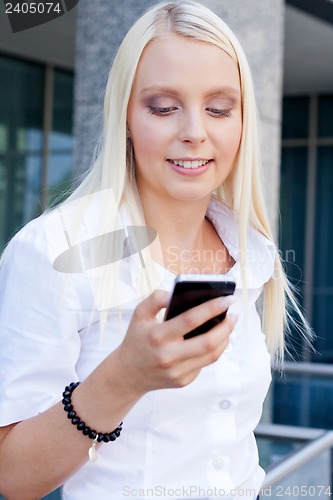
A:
(195, 353)
(215, 339)
(187, 321)
(151, 305)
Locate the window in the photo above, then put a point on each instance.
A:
(307, 212)
(306, 241)
(35, 140)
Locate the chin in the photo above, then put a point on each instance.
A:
(193, 195)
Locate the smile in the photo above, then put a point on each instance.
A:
(190, 164)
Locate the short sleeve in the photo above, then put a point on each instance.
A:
(39, 325)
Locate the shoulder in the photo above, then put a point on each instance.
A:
(56, 231)
(28, 262)
(28, 240)
(32, 285)
(40, 237)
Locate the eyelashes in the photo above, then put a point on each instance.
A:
(168, 110)
(220, 112)
(161, 111)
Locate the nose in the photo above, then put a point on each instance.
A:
(192, 128)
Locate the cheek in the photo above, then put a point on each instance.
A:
(236, 141)
(141, 138)
(231, 141)
(149, 138)
(141, 142)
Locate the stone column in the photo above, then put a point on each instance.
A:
(259, 26)
(101, 26)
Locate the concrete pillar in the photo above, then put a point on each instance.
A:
(101, 26)
(259, 26)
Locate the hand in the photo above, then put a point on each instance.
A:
(154, 354)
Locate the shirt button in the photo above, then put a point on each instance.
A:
(218, 463)
(224, 404)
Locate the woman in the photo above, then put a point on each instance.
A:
(84, 299)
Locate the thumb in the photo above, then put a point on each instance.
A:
(152, 305)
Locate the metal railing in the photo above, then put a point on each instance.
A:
(314, 369)
(318, 441)
(306, 471)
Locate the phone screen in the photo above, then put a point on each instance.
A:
(191, 291)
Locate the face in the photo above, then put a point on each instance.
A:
(184, 117)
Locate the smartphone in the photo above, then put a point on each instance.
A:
(190, 290)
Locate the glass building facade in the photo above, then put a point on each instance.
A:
(36, 142)
(307, 212)
(307, 246)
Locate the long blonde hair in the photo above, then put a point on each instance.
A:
(242, 191)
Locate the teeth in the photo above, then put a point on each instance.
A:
(190, 164)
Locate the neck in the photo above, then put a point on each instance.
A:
(187, 242)
(180, 224)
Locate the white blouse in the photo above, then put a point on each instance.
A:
(194, 442)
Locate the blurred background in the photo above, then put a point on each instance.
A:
(52, 79)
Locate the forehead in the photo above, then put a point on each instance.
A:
(185, 63)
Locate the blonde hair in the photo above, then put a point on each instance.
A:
(242, 191)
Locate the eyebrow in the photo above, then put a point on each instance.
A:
(221, 91)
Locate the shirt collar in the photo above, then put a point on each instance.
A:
(260, 255)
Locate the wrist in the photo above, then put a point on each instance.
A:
(106, 396)
(81, 426)
(120, 378)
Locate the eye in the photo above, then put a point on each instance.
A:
(219, 112)
(154, 110)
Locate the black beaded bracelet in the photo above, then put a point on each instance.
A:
(98, 437)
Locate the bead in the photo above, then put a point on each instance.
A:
(70, 388)
(82, 427)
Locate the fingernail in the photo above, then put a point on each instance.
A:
(226, 301)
